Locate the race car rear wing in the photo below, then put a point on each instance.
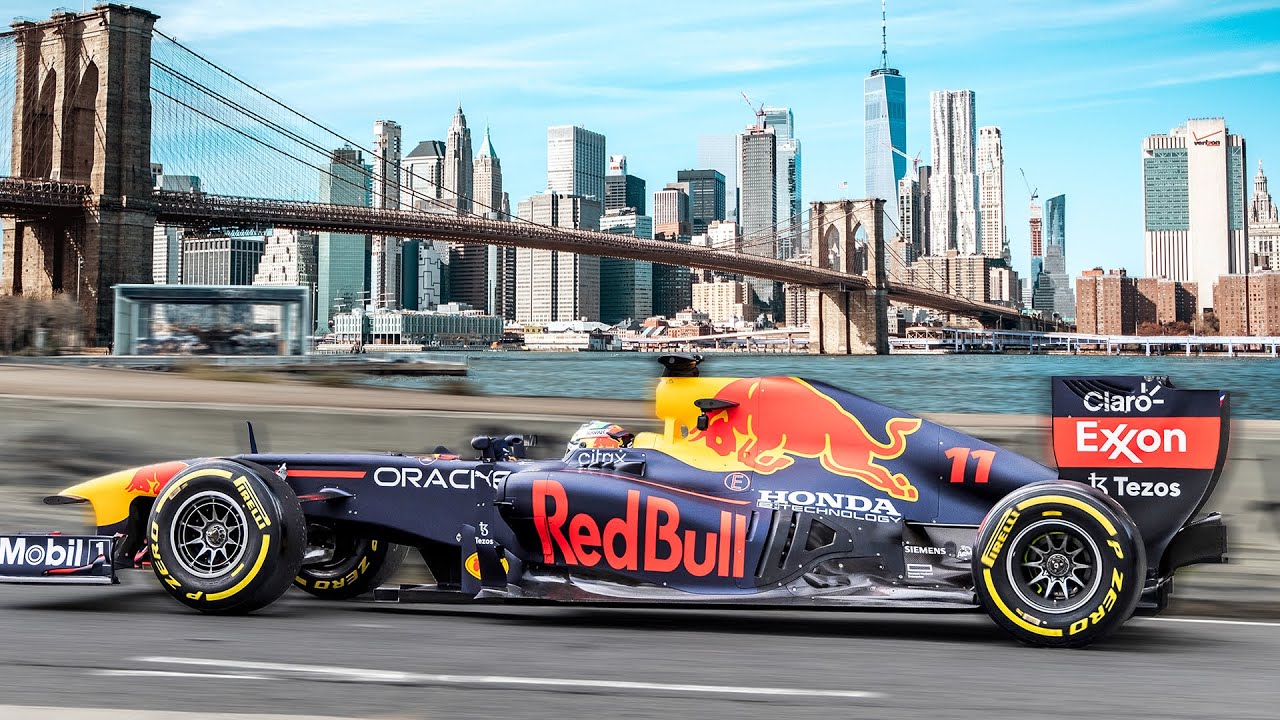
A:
(56, 558)
(1155, 448)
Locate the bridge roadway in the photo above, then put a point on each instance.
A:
(24, 197)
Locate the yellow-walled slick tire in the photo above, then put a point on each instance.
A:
(1059, 564)
(352, 565)
(226, 538)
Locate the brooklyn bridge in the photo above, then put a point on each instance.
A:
(89, 101)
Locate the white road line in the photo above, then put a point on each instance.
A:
(1208, 621)
(395, 677)
(173, 673)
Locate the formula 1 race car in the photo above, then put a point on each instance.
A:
(772, 491)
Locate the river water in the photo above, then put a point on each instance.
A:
(918, 383)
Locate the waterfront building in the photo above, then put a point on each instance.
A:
(166, 249)
(1107, 303)
(1264, 227)
(991, 230)
(388, 252)
(220, 260)
(422, 177)
(1247, 305)
(458, 164)
(706, 197)
(953, 220)
(343, 262)
(288, 259)
(575, 162)
(553, 285)
(722, 152)
(1112, 303)
(1163, 301)
(626, 286)
(1194, 204)
(725, 302)
(425, 328)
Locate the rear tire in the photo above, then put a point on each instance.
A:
(1060, 564)
(226, 538)
(359, 565)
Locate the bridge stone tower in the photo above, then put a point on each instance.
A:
(848, 235)
(82, 114)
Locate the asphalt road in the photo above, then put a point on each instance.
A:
(131, 647)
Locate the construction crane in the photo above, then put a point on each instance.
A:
(915, 161)
(1033, 193)
(759, 111)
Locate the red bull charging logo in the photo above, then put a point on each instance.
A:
(796, 420)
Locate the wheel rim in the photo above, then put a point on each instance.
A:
(343, 551)
(208, 534)
(1053, 566)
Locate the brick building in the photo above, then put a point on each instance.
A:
(1112, 303)
(1247, 304)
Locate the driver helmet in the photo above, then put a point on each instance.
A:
(600, 434)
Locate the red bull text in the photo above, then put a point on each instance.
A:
(626, 543)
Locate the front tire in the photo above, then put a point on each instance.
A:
(355, 566)
(226, 538)
(1061, 564)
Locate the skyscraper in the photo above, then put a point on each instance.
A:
(706, 197)
(787, 163)
(458, 164)
(1194, 204)
(575, 162)
(553, 285)
(953, 222)
(343, 259)
(422, 177)
(995, 244)
(913, 212)
(166, 250)
(486, 175)
(671, 212)
(722, 152)
(1053, 291)
(484, 275)
(1037, 241)
(626, 286)
(759, 208)
(623, 190)
(884, 94)
(388, 255)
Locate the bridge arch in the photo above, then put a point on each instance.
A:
(37, 161)
(79, 134)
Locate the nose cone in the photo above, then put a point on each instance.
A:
(111, 495)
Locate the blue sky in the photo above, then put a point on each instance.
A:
(1075, 85)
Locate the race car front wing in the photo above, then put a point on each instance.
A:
(57, 558)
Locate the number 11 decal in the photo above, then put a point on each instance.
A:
(960, 461)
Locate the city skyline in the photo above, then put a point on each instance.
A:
(1092, 75)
